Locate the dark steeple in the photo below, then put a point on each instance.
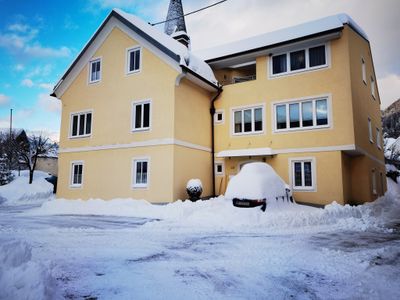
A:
(175, 25)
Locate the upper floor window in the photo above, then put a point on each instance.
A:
(95, 70)
(363, 71)
(373, 87)
(378, 138)
(248, 120)
(81, 124)
(371, 139)
(303, 114)
(304, 59)
(76, 174)
(303, 176)
(141, 114)
(140, 172)
(133, 60)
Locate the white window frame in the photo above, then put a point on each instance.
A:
(96, 59)
(71, 172)
(222, 121)
(134, 184)
(79, 113)
(222, 164)
(302, 160)
(378, 139)
(373, 175)
(363, 71)
(133, 114)
(371, 138)
(127, 60)
(373, 87)
(307, 57)
(243, 108)
(301, 100)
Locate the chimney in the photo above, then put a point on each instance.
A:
(175, 23)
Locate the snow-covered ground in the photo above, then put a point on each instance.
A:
(124, 249)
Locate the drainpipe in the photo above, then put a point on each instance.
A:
(212, 112)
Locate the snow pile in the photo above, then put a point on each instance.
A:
(19, 191)
(220, 214)
(256, 181)
(20, 277)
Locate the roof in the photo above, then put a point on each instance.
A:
(172, 48)
(285, 35)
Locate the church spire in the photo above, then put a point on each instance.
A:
(175, 23)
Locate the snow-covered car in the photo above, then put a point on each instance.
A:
(255, 185)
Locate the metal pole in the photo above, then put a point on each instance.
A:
(10, 145)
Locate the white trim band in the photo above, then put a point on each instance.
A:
(148, 143)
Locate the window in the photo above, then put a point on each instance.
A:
(247, 121)
(373, 87)
(299, 60)
(301, 115)
(303, 174)
(95, 70)
(133, 60)
(81, 124)
(76, 174)
(363, 71)
(374, 182)
(219, 168)
(371, 139)
(378, 138)
(219, 117)
(140, 173)
(141, 113)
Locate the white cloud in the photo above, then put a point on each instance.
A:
(19, 67)
(18, 27)
(389, 89)
(49, 103)
(46, 86)
(27, 82)
(39, 51)
(69, 24)
(43, 70)
(4, 99)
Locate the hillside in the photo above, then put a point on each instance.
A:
(391, 120)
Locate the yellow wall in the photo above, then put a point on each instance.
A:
(108, 174)
(111, 98)
(334, 80)
(46, 164)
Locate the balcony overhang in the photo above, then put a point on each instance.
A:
(245, 152)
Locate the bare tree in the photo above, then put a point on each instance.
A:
(29, 150)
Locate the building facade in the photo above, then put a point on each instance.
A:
(136, 119)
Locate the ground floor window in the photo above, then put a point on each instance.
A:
(374, 182)
(302, 174)
(140, 173)
(76, 174)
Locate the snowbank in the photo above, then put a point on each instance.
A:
(256, 181)
(219, 213)
(22, 278)
(19, 191)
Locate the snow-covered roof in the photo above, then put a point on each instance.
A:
(177, 51)
(281, 36)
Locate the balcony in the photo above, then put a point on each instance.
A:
(237, 73)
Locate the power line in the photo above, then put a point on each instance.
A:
(190, 13)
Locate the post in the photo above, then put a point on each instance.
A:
(10, 142)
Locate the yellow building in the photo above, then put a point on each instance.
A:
(136, 119)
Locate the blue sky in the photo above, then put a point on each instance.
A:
(39, 40)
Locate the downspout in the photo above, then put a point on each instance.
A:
(212, 112)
